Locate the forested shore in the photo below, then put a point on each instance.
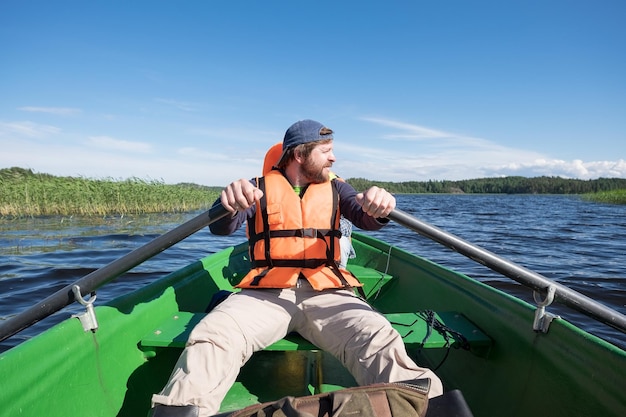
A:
(24, 193)
(503, 185)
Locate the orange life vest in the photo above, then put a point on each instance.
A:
(272, 156)
(292, 236)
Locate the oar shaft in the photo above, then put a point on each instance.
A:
(99, 277)
(520, 274)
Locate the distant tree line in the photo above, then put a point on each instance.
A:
(503, 185)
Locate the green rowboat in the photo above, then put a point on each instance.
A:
(507, 357)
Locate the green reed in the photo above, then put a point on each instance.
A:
(608, 197)
(23, 193)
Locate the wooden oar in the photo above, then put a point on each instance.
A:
(99, 277)
(520, 274)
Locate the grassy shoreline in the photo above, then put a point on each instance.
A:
(26, 194)
(607, 197)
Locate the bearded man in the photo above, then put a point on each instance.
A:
(295, 283)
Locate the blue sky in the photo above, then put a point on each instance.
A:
(196, 91)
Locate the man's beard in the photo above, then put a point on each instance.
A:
(314, 174)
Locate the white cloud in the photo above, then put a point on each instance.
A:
(434, 138)
(567, 169)
(95, 162)
(412, 131)
(221, 157)
(208, 155)
(240, 135)
(60, 111)
(109, 143)
(180, 105)
(27, 129)
(426, 153)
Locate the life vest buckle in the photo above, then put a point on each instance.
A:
(309, 232)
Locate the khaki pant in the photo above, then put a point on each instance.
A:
(335, 320)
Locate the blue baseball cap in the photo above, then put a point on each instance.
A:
(305, 131)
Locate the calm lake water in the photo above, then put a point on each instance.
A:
(577, 243)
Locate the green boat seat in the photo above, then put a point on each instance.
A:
(413, 328)
(372, 279)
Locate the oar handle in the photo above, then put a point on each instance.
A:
(99, 277)
(516, 272)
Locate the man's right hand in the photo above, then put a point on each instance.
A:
(240, 195)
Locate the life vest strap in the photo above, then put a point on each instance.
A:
(290, 263)
(306, 233)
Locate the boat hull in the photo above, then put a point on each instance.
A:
(66, 371)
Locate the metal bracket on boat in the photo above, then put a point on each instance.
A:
(542, 318)
(88, 318)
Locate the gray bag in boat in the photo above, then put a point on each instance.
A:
(406, 399)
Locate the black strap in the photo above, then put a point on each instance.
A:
(265, 217)
(307, 232)
(330, 249)
(253, 236)
(257, 279)
(334, 222)
(433, 323)
(290, 263)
